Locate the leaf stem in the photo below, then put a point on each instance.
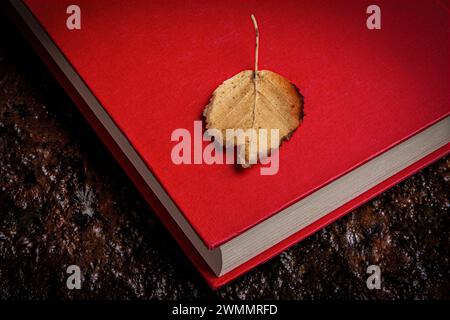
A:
(255, 24)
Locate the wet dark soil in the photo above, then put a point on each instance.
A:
(64, 200)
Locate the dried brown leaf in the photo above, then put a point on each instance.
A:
(245, 101)
(260, 100)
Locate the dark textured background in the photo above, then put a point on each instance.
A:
(64, 200)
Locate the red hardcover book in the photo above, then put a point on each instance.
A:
(376, 105)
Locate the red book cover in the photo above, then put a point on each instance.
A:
(153, 65)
